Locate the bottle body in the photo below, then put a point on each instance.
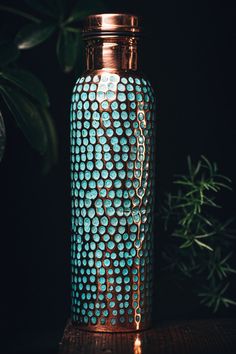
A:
(112, 188)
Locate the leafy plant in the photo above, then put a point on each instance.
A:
(22, 92)
(197, 244)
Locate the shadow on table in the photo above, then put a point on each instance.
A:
(208, 336)
(182, 337)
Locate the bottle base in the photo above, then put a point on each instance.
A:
(73, 329)
(84, 339)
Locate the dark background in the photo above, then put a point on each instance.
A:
(189, 56)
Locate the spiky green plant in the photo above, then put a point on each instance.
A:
(197, 243)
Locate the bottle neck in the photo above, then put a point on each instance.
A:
(118, 53)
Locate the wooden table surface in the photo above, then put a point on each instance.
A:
(216, 336)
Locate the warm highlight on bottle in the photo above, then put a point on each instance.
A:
(112, 181)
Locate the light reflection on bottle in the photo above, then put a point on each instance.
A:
(137, 345)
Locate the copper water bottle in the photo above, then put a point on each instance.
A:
(112, 181)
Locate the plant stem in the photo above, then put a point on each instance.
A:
(19, 13)
(72, 29)
(68, 20)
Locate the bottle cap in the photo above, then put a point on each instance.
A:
(111, 25)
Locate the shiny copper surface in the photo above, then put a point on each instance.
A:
(111, 23)
(111, 41)
(215, 336)
(112, 53)
(144, 249)
(112, 78)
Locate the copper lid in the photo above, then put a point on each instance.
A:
(111, 24)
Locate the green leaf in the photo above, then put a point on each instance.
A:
(32, 35)
(45, 7)
(223, 290)
(184, 183)
(51, 155)
(223, 185)
(67, 49)
(186, 244)
(27, 82)
(190, 167)
(228, 301)
(208, 234)
(229, 255)
(204, 245)
(224, 177)
(84, 9)
(17, 12)
(27, 118)
(208, 164)
(8, 53)
(2, 137)
(197, 168)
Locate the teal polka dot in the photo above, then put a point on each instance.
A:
(104, 221)
(100, 95)
(102, 280)
(105, 104)
(140, 116)
(119, 131)
(124, 115)
(107, 262)
(92, 96)
(96, 115)
(113, 174)
(124, 80)
(109, 165)
(102, 140)
(111, 245)
(107, 156)
(93, 87)
(116, 124)
(83, 96)
(128, 132)
(103, 287)
(114, 141)
(102, 271)
(110, 95)
(104, 174)
(121, 87)
(91, 213)
(121, 97)
(139, 97)
(111, 203)
(110, 132)
(105, 115)
(107, 203)
(106, 123)
(98, 254)
(111, 230)
(131, 96)
(95, 125)
(103, 192)
(110, 211)
(116, 148)
(114, 105)
(115, 115)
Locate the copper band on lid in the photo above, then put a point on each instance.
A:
(111, 24)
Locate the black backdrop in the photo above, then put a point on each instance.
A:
(189, 56)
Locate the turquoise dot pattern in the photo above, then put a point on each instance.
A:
(112, 179)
